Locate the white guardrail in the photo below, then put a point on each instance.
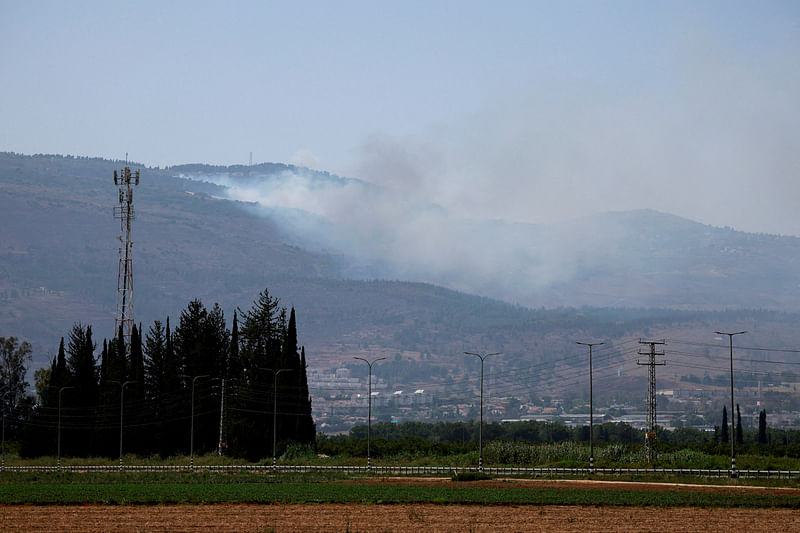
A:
(414, 470)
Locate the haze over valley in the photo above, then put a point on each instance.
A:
(418, 180)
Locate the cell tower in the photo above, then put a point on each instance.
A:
(650, 435)
(124, 212)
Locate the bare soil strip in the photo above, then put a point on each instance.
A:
(417, 517)
(390, 518)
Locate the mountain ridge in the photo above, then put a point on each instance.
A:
(58, 266)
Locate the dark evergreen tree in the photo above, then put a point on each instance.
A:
(739, 430)
(40, 435)
(136, 371)
(157, 372)
(762, 427)
(155, 363)
(298, 424)
(216, 339)
(260, 335)
(105, 417)
(116, 366)
(14, 400)
(160, 371)
(260, 352)
(83, 375)
(724, 432)
(60, 375)
(172, 440)
(201, 344)
(234, 367)
(306, 432)
(113, 371)
(136, 409)
(103, 365)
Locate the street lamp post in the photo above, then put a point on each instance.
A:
(5, 402)
(191, 425)
(58, 446)
(732, 432)
(3, 464)
(121, 412)
(369, 404)
(591, 405)
(482, 357)
(275, 409)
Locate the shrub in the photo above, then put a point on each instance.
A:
(470, 476)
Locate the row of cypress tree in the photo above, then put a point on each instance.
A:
(201, 388)
(722, 434)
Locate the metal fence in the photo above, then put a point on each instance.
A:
(418, 470)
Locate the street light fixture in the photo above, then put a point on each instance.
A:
(191, 430)
(121, 412)
(591, 405)
(275, 408)
(5, 400)
(369, 404)
(732, 432)
(3, 463)
(58, 460)
(482, 357)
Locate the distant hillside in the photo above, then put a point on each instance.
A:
(623, 259)
(58, 258)
(58, 265)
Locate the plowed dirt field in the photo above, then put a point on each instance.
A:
(418, 517)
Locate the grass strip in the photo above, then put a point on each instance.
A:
(297, 493)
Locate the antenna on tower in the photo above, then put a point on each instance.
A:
(125, 213)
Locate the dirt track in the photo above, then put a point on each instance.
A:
(582, 484)
(418, 517)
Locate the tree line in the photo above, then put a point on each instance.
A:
(199, 386)
(449, 438)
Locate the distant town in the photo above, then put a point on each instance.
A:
(340, 403)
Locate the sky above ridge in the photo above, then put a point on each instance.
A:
(526, 111)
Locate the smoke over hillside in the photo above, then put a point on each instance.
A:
(398, 236)
(618, 259)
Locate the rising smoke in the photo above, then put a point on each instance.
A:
(483, 203)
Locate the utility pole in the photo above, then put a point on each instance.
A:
(191, 425)
(3, 467)
(482, 357)
(650, 433)
(275, 409)
(58, 460)
(591, 404)
(5, 401)
(369, 404)
(732, 432)
(221, 417)
(121, 405)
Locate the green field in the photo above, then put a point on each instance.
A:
(198, 488)
(296, 493)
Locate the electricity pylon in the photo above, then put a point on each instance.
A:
(650, 434)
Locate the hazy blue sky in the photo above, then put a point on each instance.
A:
(533, 111)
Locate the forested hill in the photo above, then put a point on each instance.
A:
(59, 253)
(618, 259)
(59, 259)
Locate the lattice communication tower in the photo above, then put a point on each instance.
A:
(125, 213)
